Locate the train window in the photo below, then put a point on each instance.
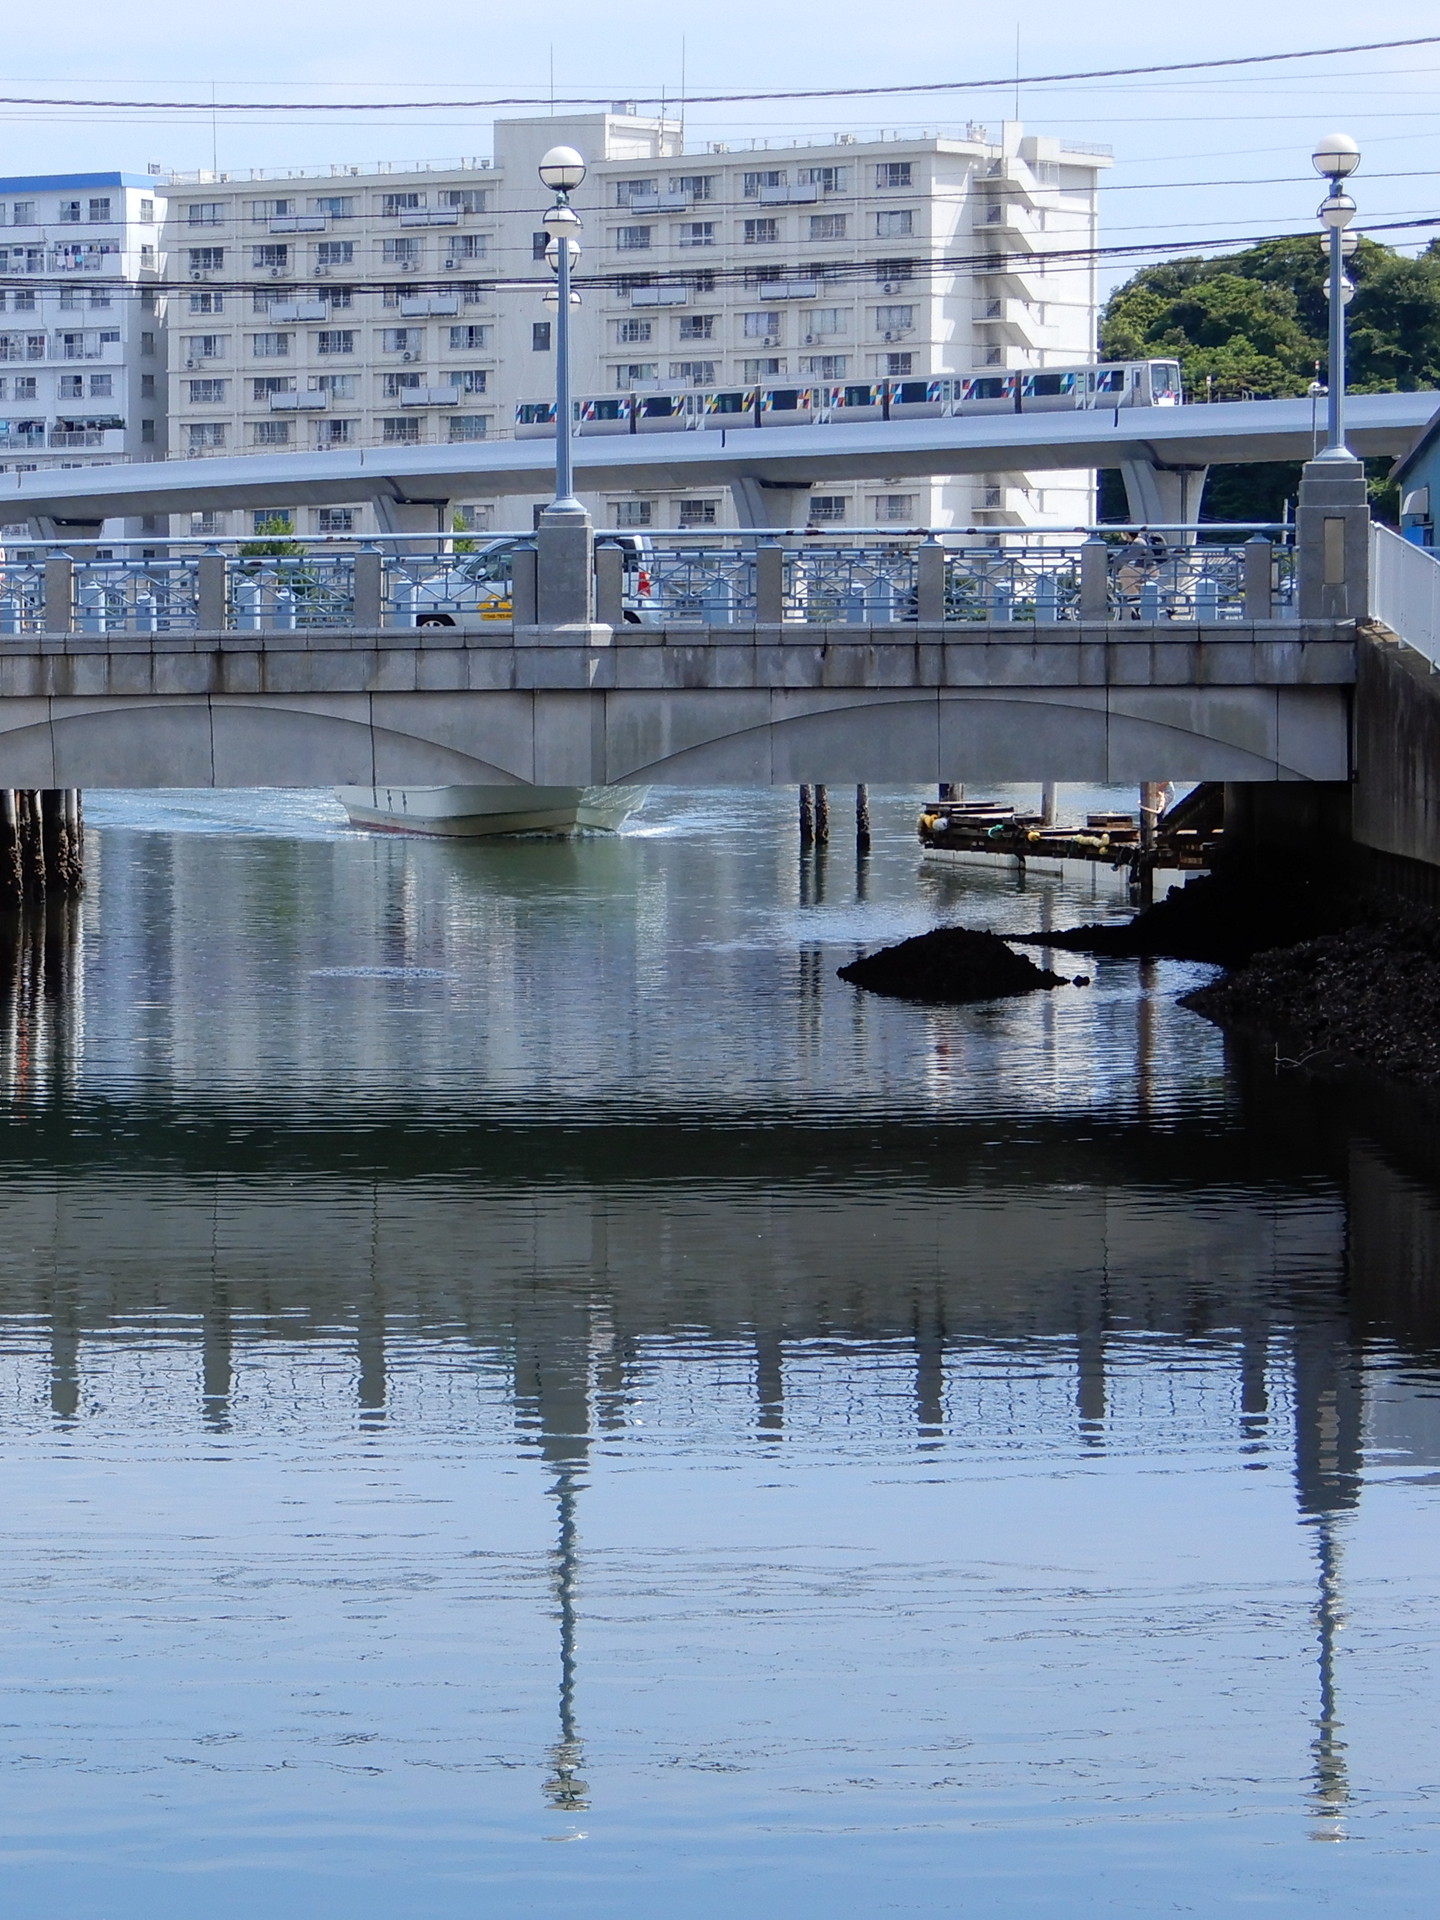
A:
(659, 406)
(1110, 380)
(605, 409)
(988, 388)
(535, 413)
(1041, 384)
(912, 392)
(858, 397)
(784, 400)
(729, 403)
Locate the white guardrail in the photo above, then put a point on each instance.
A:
(1405, 591)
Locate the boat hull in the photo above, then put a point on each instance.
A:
(469, 813)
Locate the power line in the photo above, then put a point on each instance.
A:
(1007, 81)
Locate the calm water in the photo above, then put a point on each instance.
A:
(522, 1394)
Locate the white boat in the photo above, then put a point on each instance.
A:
(474, 812)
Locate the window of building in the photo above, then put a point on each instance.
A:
(100, 209)
(334, 253)
(540, 336)
(147, 433)
(404, 432)
(466, 199)
(468, 426)
(828, 226)
(269, 383)
(272, 520)
(698, 513)
(897, 319)
(335, 206)
(694, 373)
(761, 369)
(275, 254)
(24, 213)
(694, 186)
(637, 374)
(270, 433)
(147, 386)
(402, 339)
(761, 233)
(894, 222)
(828, 179)
(395, 384)
(401, 202)
(770, 177)
(892, 506)
(207, 302)
(696, 233)
(201, 346)
(760, 326)
(334, 433)
(270, 346)
(205, 259)
(702, 282)
(339, 386)
(633, 239)
(697, 326)
(633, 332)
(469, 339)
(23, 386)
(69, 213)
(71, 386)
(335, 340)
(337, 298)
(467, 246)
(538, 243)
(473, 293)
(893, 173)
(205, 213)
(898, 366)
(334, 519)
(894, 273)
(271, 209)
(475, 518)
(633, 513)
(147, 257)
(470, 380)
(400, 253)
(827, 508)
(102, 386)
(824, 366)
(206, 433)
(208, 523)
(147, 345)
(207, 393)
(628, 190)
(823, 320)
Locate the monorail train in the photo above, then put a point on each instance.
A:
(1125, 383)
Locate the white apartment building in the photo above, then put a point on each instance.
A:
(82, 365)
(404, 306)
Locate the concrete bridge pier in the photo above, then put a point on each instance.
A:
(1161, 495)
(782, 505)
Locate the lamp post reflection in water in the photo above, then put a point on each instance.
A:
(564, 1789)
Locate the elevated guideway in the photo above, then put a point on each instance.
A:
(1163, 451)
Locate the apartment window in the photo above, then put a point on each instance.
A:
(760, 326)
(894, 272)
(633, 513)
(540, 336)
(893, 173)
(538, 243)
(627, 190)
(468, 426)
(71, 386)
(466, 199)
(69, 213)
(761, 233)
(23, 386)
(339, 386)
(827, 508)
(468, 246)
(894, 319)
(894, 223)
(473, 293)
(469, 339)
(634, 333)
(270, 433)
(633, 239)
(335, 340)
(695, 373)
(147, 386)
(147, 345)
(337, 298)
(270, 346)
(102, 386)
(702, 282)
(400, 253)
(147, 257)
(474, 519)
(334, 433)
(206, 259)
(203, 524)
(762, 369)
(206, 434)
(393, 385)
(400, 433)
(402, 339)
(100, 209)
(269, 383)
(892, 506)
(147, 437)
(207, 303)
(637, 374)
(274, 255)
(821, 320)
(698, 513)
(772, 177)
(401, 202)
(207, 393)
(272, 520)
(697, 326)
(271, 209)
(334, 253)
(828, 179)
(470, 380)
(828, 226)
(24, 214)
(336, 206)
(205, 213)
(824, 366)
(200, 346)
(22, 300)
(897, 366)
(694, 186)
(334, 519)
(696, 233)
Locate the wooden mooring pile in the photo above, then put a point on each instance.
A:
(42, 844)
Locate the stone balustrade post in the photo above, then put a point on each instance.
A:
(210, 592)
(59, 593)
(1332, 535)
(1094, 579)
(1259, 578)
(930, 584)
(368, 585)
(610, 585)
(770, 585)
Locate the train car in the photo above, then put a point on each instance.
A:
(987, 393)
(667, 412)
(731, 407)
(789, 406)
(606, 413)
(535, 420)
(920, 399)
(856, 402)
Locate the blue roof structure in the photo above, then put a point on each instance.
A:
(59, 182)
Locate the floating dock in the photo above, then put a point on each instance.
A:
(1187, 836)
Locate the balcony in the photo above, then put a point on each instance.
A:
(299, 402)
(789, 289)
(298, 223)
(431, 217)
(298, 310)
(429, 397)
(101, 435)
(420, 306)
(659, 296)
(788, 196)
(658, 202)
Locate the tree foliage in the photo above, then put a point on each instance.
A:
(1253, 325)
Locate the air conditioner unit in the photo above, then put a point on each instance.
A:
(451, 266)
(887, 336)
(196, 274)
(279, 273)
(407, 356)
(190, 365)
(890, 286)
(811, 338)
(321, 271)
(409, 266)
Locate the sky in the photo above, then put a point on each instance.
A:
(1198, 157)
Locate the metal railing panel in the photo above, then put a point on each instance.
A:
(1405, 590)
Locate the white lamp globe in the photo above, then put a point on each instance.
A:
(562, 169)
(1335, 155)
(560, 220)
(1336, 211)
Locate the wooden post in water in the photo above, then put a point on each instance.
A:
(807, 817)
(1048, 804)
(862, 819)
(32, 843)
(949, 791)
(822, 815)
(12, 872)
(42, 844)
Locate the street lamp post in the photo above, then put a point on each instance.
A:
(1337, 157)
(562, 170)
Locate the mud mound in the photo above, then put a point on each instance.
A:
(950, 966)
(1216, 919)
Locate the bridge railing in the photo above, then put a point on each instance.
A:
(1405, 590)
(867, 577)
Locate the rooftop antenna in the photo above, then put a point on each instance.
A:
(214, 135)
(682, 93)
(552, 76)
(1017, 69)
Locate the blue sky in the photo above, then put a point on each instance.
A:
(1197, 156)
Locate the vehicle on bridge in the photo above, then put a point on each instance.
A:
(1123, 383)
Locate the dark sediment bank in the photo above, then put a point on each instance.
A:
(949, 966)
